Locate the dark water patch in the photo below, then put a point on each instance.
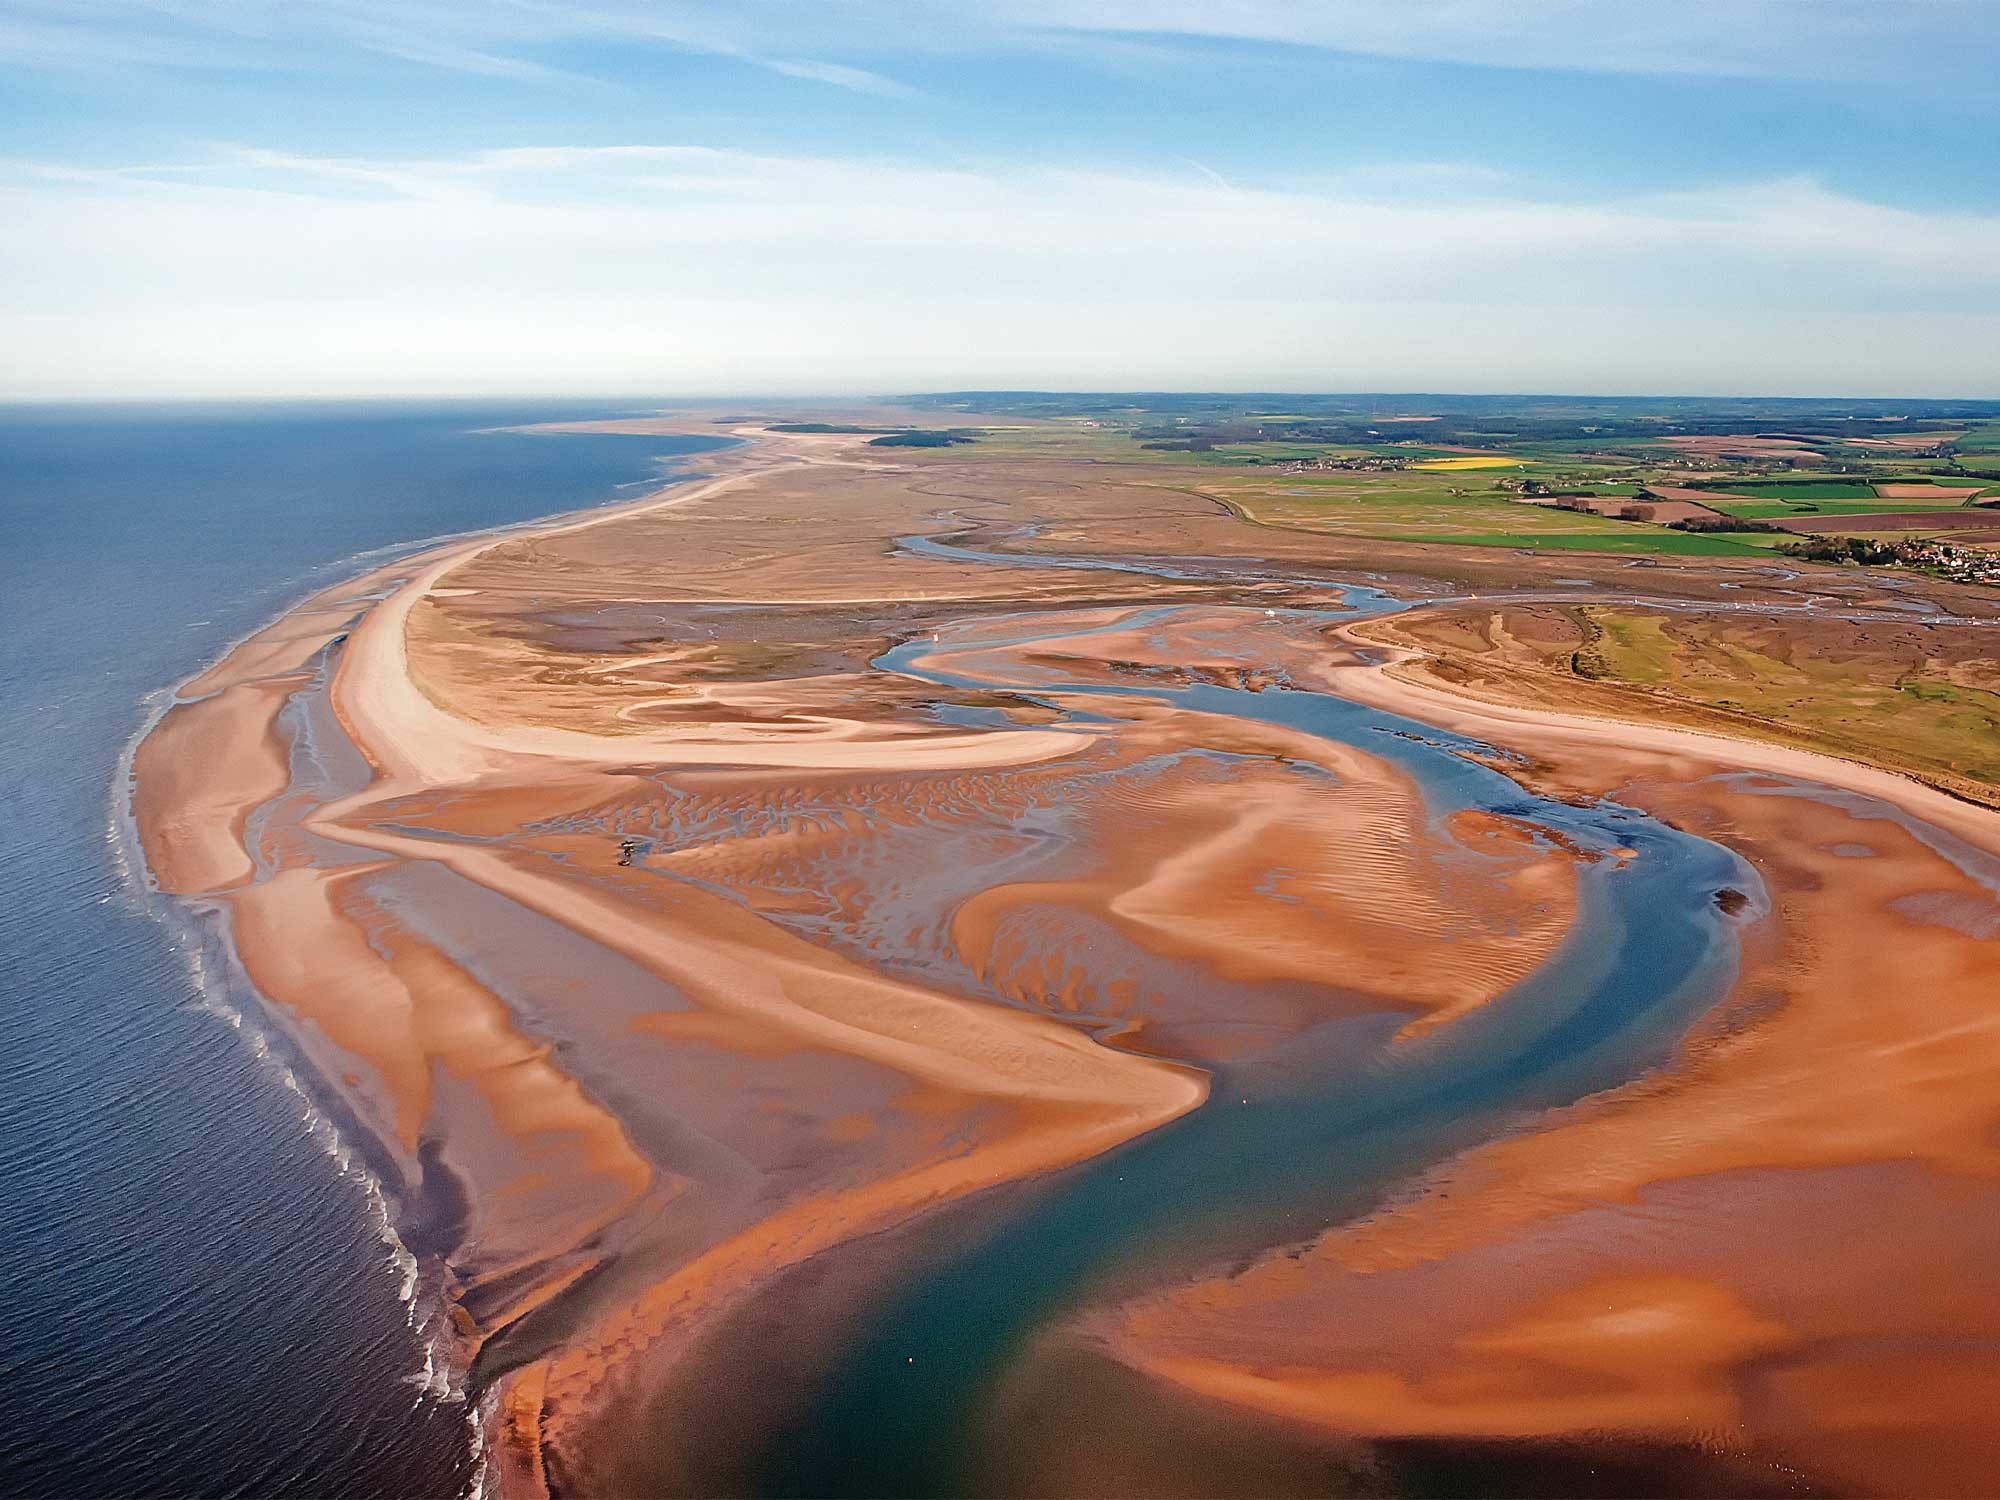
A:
(199, 1298)
(1074, 1422)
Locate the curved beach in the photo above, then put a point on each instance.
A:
(725, 914)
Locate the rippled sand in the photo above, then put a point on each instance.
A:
(1774, 1248)
(687, 963)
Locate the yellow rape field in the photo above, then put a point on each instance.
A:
(1477, 461)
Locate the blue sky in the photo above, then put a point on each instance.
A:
(724, 196)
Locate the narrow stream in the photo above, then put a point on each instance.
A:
(1267, 1163)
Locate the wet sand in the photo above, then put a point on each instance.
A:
(1771, 1249)
(671, 947)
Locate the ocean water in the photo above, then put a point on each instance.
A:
(195, 1296)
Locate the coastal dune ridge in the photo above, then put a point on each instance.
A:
(721, 904)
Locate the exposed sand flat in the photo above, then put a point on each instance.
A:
(449, 748)
(295, 637)
(879, 416)
(204, 766)
(1073, 1097)
(1535, 1290)
(1265, 875)
(1694, 1335)
(402, 1016)
(1351, 894)
(705, 949)
(397, 1007)
(215, 754)
(731, 961)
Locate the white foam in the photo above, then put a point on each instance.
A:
(425, 1309)
(423, 1297)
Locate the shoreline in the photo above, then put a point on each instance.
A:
(198, 930)
(1065, 1097)
(186, 858)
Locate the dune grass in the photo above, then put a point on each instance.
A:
(1925, 701)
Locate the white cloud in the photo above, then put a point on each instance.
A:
(687, 269)
(1934, 42)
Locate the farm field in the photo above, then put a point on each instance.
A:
(1765, 509)
(1405, 507)
(1413, 477)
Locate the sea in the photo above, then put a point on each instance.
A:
(198, 1292)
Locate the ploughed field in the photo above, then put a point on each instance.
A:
(893, 971)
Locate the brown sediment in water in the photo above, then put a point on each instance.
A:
(700, 952)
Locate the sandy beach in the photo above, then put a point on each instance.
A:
(691, 906)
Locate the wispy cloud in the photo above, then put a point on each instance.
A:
(514, 40)
(687, 267)
(839, 74)
(1828, 39)
(840, 42)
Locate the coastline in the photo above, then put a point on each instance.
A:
(190, 833)
(1061, 1096)
(197, 929)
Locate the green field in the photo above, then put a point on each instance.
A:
(1883, 695)
(1630, 537)
(1898, 695)
(1470, 508)
(1980, 438)
(1758, 510)
(1817, 489)
(1448, 509)
(1631, 647)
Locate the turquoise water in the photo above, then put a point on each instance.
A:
(1267, 1163)
(197, 1301)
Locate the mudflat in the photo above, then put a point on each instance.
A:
(731, 911)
